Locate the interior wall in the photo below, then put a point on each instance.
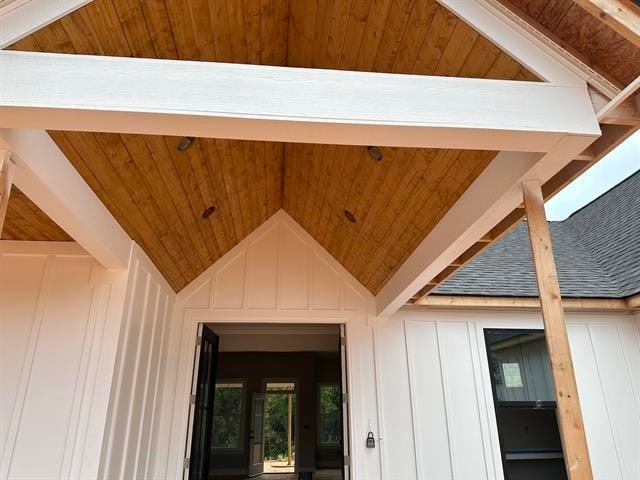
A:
(434, 384)
(60, 315)
(306, 369)
(134, 418)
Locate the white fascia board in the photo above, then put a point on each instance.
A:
(494, 194)
(252, 102)
(512, 38)
(21, 18)
(45, 175)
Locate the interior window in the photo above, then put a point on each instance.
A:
(329, 414)
(525, 404)
(227, 415)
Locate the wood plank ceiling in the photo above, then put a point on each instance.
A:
(584, 35)
(25, 221)
(159, 193)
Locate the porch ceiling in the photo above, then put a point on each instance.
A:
(158, 193)
(25, 221)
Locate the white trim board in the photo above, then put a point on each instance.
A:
(253, 102)
(20, 18)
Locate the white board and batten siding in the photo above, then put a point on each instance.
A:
(419, 380)
(435, 388)
(134, 414)
(60, 313)
(278, 274)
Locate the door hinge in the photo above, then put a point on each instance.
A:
(187, 462)
(192, 399)
(346, 460)
(198, 341)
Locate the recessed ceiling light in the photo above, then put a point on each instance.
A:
(375, 152)
(208, 211)
(350, 216)
(185, 143)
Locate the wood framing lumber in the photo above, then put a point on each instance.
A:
(621, 16)
(254, 102)
(464, 302)
(572, 434)
(7, 171)
(46, 176)
(23, 17)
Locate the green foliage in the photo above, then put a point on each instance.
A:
(275, 428)
(227, 417)
(330, 414)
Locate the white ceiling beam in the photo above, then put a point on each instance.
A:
(21, 18)
(514, 37)
(494, 194)
(45, 175)
(251, 102)
(7, 171)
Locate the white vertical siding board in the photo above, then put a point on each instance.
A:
(485, 375)
(429, 414)
(600, 437)
(466, 436)
(619, 395)
(23, 383)
(262, 271)
(91, 379)
(482, 405)
(53, 373)
(19, 300)
(631, 350)
(139, 372)
(397, 441)
(161, 359)
(81, 379)
(293, 270)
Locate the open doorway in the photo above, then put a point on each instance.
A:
(276, 411)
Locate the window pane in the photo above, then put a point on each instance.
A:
(520, 366)
(330, 414)
(227, 416)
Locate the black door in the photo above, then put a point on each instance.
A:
(203, 412)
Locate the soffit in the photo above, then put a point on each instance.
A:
(158, 194)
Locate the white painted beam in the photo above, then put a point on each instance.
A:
(21, 18)
(7, 171)
(494, 194)
(251, 102)
(45, 175)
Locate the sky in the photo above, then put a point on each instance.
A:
(608, 172)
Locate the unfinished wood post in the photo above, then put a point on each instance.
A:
(574, 441)
(289, 418)
(7, 169)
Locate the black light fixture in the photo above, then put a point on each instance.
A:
(185, 143)
(375, 152)
(350, 216)
(208, 211)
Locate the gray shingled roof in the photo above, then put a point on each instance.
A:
(597, 252)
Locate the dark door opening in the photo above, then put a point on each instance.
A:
(524, 399)
(277, 405)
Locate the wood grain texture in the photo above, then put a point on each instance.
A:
(25, 221)
(158, 194)
(594, 40)
(572, 434)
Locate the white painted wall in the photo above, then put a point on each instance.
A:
(139, 372)
(442, 387)
(419, 380)
(60, 315)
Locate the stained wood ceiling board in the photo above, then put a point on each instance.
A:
(25, 221)
(600, 46)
